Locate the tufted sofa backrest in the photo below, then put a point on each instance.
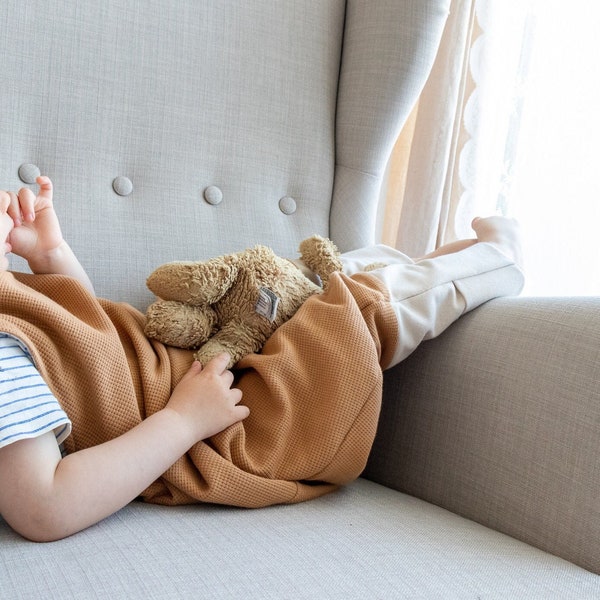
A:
(180, 130)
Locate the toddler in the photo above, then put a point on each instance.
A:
(94, 415)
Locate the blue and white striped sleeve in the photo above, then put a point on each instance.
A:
(27, 406)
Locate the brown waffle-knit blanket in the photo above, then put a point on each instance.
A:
(314, 392)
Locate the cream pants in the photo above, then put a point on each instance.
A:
(430, 294)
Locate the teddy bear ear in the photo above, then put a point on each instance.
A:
(195, 283)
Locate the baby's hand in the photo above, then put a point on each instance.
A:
(37, 231)
(502, 232)
(206, 401)
(6, 226)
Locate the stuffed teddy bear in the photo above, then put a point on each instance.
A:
(233, 303)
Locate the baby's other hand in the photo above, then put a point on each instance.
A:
(37, 231)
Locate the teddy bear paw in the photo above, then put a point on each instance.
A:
(179, 324)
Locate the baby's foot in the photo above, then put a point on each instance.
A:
(501, 232)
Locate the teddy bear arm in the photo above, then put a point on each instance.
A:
(235, 339)
(196, 283)
(178, 324)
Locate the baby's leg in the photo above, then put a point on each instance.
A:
(430, 294)
(380, 255)
(498, 231)
(366, 259)
(450, 248)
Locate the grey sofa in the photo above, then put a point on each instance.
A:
(181, 129)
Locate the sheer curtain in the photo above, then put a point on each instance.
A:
(508, 124)
(421, 172)
(553, 188)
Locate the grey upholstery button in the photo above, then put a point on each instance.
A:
(28, 173)
(122, 185)
(213, 195)
(287, 205)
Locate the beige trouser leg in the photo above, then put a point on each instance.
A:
(429, 295)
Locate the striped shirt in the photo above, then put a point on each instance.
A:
(27, 406)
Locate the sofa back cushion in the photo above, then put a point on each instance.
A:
(183, 130)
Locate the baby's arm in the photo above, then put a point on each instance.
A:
(37, 236)
(45, 497)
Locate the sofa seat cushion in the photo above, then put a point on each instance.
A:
(365, 541)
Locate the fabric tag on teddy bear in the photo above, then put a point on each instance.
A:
(267, 303)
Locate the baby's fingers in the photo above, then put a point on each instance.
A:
(219, 363)
(45, 188)
(26, 205)
(4, 201)
(14, 209)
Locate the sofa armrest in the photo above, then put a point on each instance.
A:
(498, 420)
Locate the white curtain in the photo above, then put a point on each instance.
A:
(422, 169)
(508, 123)
(450, 160)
